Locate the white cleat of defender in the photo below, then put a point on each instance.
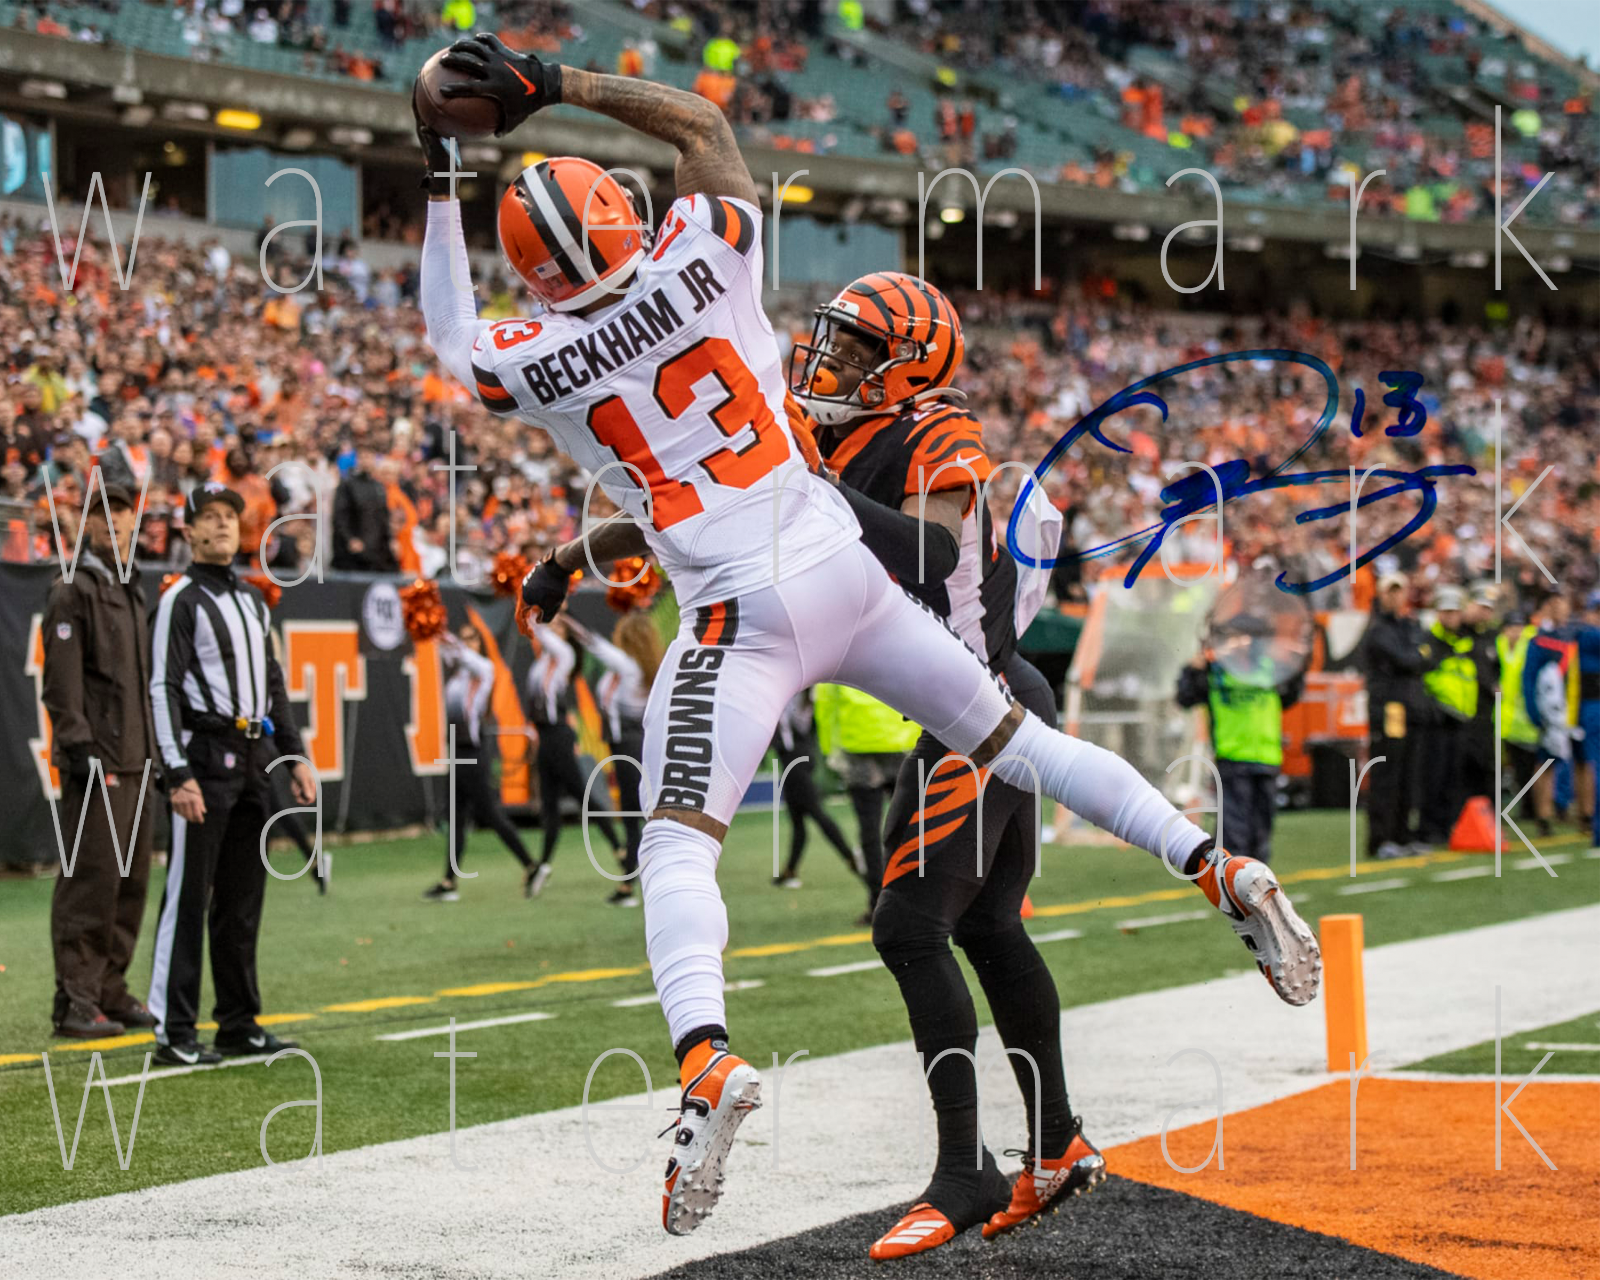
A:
(1285, 949)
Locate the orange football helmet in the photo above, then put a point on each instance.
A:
(919, 348)
(542, 216)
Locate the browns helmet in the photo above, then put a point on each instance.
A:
(542, 216)
(917, 339)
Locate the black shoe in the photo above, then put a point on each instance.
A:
(242, 1044)
(442, 892)
(132, 1014)
(85, 1022)
(622, 898)
(188, 1053)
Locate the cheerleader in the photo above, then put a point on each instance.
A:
(631, 658)
(466, 703)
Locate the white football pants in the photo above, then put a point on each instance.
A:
(715, 704)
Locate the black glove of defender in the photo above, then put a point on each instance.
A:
(518, 82)
(434, 179)
(545, 588)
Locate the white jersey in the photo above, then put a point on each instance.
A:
(672, 398)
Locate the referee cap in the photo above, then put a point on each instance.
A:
(202, 496)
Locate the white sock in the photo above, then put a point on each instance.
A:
(1101, 786)
(685, 923)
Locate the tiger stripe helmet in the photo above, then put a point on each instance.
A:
(921, 347)
(542, 217)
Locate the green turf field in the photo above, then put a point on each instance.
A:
(372, 959)
(1576, 1045)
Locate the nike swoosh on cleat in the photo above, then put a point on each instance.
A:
(185, 1057)
(257, 1042)
(524, 79)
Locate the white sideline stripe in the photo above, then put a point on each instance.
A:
(1461, 873)
(1575, 1047)
(834, 970)
(1508, 1079)
(479, 1025)
(1532, 864)
(403, 1207)
(1373, 886)
(163, 1072)
(1056, 935)
(1592, 853)
(1148, 922)
(635, 1002)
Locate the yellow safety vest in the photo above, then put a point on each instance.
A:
(1453, 684)
(1514, 723)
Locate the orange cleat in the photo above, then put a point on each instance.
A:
(1078, 1169)
(722, 1091)
(923, 1228)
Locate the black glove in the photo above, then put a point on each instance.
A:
(77, 762)
(545, 588)
(518, 82)
(434, 179)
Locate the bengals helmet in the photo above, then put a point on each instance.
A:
(918, 346)
(542, 217)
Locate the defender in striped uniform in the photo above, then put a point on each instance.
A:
(222, 715)
(655, 368)
(898, 435)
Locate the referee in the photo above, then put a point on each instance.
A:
(218, 695)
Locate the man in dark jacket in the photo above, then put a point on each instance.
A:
(96, 689)
(361, 521)
(1394, 654)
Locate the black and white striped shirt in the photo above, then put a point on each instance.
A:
(212, 663)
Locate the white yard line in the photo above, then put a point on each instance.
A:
(1533, 864)
(1056, 935)
(1460, 873)
(856, 1133)
(479, 1025)
(162, 1073)
(1150, 922)
(635, 1002)
(1373, 886)
(1574, 1047)
(835, 970)
(1509, 1080)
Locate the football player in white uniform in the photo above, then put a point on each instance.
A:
(651, 363)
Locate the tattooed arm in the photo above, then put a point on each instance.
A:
(708, 157)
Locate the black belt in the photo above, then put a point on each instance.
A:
(243, 726)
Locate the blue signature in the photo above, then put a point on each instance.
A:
(1194, 493)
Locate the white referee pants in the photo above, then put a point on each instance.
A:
(715, 704)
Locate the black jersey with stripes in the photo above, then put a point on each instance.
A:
(212, 666)
(937, 446)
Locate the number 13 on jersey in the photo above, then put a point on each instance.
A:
(674, 498)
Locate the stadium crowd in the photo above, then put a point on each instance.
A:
(200, 371)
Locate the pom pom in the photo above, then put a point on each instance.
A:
(270, 591)
(510, 568)
(625, 594)
(422, 609)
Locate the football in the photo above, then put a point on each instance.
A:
(452, 117)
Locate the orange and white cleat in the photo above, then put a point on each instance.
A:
(1283, 946)
(1077, 1170)
(716, 1099)
(923, 1228)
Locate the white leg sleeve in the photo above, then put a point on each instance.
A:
(686, 925)
(1101, 786)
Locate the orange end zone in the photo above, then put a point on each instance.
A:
(1424, 1187)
